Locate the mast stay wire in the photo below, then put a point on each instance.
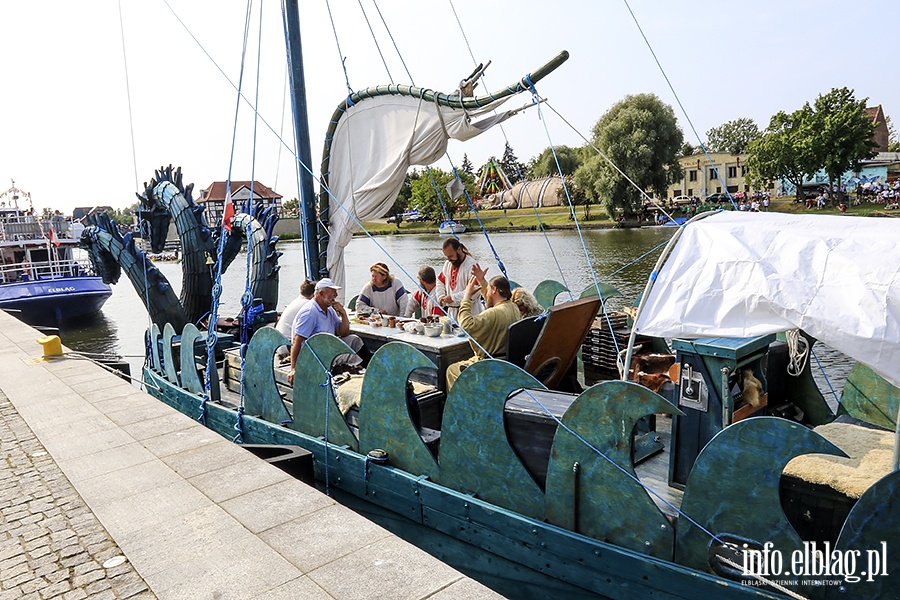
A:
(211, 337)
(518, 168)
(678, 100)
(141, 222)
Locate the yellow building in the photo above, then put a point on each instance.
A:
(702, 179)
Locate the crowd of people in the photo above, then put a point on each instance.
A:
(483, 309)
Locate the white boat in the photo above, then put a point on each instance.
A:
(451, 227)
(40, 280)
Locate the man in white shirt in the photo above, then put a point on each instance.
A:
(454, 276)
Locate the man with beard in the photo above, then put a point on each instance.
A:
(451, 283)
(487, 329)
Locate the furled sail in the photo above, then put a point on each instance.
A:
(374, 144)
(738, 274)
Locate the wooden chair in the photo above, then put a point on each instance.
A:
(557, 336)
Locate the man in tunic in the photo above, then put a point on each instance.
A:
(451, 283)
(423, 299)
(489, 327)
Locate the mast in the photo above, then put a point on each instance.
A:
(308, 225)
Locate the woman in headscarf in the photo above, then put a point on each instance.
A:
(384, 293)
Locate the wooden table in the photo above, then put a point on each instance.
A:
(443, 350)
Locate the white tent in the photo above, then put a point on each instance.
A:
(737, 274)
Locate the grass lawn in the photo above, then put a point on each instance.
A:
(559, 217)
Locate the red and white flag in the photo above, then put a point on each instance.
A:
(228, 214)
(53, 237)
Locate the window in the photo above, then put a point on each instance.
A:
(692, 176)
(732, 172)
(743, 171)
(690, 192)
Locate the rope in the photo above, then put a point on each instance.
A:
(587, 255)
(825, 376)
(211, 336)
(338, 44)
(141, 222)
(329, 383)
(798, 352)
(678, 100)
(646, 488)
(394, 42)
(249, 314)
(377, 46)
(760, 578)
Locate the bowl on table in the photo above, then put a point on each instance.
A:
(433, 330)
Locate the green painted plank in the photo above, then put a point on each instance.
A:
(733, 487)
(261, 397)
(190, 379)
(168, 358)
(475, 453)
(583, 498)
(314, 403)
(384, 420)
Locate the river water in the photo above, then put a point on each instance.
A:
(622, 258)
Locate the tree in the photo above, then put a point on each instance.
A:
(641, 136)
(893, 140)
(785, 150)
(125, 216)
(843, 133)
(425, 199)
(688, 150)
(515, 170)
(290, 207)
(466, 166)
(544, 165)
(733, 136)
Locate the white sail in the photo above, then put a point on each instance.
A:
(374, 144)
(740, 274)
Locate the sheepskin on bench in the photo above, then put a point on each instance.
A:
(348, 393)
(871, 454)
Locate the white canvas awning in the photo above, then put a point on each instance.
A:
(737, 274)
(374, 144)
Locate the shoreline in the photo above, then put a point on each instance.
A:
(508, 229)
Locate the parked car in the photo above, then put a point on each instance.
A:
(395, 219)
(720, 197)
(682, 199)
(415, 217)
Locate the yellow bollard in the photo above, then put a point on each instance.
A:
(52, 345)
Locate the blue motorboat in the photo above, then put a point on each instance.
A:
(40, 279)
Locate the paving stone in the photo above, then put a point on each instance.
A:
(56, 589)
(51, 545)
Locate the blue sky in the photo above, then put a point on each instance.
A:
(64, 114)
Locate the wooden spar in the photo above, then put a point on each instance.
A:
(308, 225)
(427, 95)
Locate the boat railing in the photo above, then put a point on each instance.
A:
(23, 230)
(24, 271)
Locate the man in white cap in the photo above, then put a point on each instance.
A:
(323, 315)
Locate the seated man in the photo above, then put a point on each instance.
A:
(420, 299)
(285, 324)
(488, 328)
(324, 314)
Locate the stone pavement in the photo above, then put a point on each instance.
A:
(97, 471)
(51, 544)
